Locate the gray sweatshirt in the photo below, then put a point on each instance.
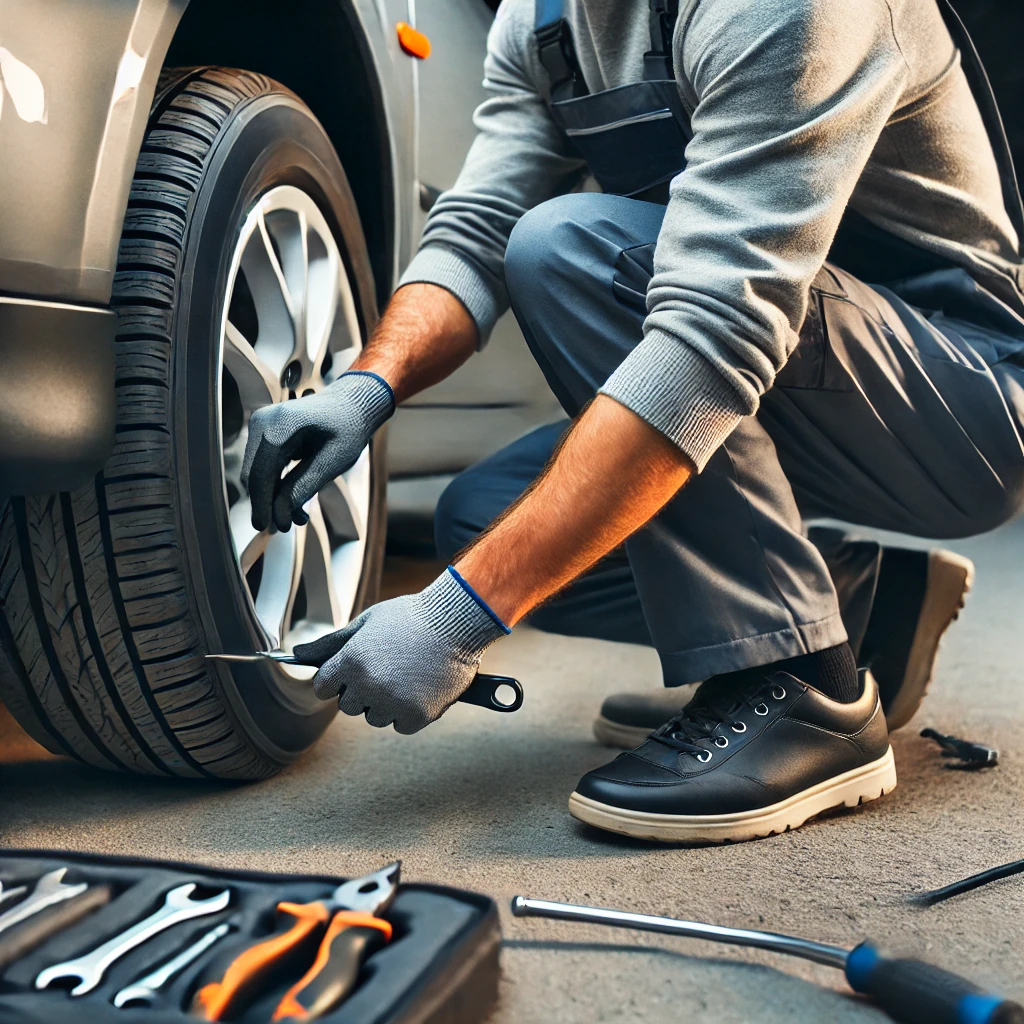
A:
(799, 107)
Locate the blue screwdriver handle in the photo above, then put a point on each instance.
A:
(918, 993)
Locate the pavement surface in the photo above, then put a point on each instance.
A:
(479, 801)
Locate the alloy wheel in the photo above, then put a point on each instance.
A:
(289, 329)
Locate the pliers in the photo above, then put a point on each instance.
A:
(336, 934)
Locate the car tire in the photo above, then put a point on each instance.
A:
(112, 595)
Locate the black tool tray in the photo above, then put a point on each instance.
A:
(441, 966)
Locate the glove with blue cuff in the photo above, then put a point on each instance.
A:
(407, 660)
(325, 433)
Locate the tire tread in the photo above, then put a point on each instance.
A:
(99, 656)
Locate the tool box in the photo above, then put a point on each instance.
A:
(440, 967)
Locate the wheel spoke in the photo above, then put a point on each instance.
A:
(279, 583)
(288, 230)
(258, 385)
(340, 506)
(321, 297)
(271, 297)
(322, 610)
(249, 542)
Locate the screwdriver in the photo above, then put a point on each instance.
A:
(910, 991)
(335, 935)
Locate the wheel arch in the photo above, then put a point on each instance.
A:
(320, 51)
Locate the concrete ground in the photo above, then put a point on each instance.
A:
(479, 801)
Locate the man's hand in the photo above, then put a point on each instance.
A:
(424, 335)
(325, 433)
(406, 661)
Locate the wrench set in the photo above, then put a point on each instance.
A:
(112, 939)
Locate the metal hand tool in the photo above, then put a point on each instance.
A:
(11, 894)
(335, 935)
(90, 968)
(908, 990)
(50, 889)
(53, 919)
(145, 989)
(484, 691)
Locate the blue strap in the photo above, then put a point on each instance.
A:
(548, 12)
(479, 600)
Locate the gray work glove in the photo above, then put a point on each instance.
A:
(409, 659)
(325, 433)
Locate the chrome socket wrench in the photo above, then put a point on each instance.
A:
(90, 968)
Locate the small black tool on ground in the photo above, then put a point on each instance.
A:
(908, 990)
(971, 755)
(486, 690)
(967, 884)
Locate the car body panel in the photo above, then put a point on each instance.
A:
(500, 393)
(78, 80)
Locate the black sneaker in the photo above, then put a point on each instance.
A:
(627, 719)
(732, 767)
(920, 594)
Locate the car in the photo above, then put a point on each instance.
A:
(204, 206)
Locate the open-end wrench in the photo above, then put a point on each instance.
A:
(145, 989)
(10, 894)
(50, 889)
(90, 968)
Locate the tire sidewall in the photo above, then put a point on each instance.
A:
(267, 141)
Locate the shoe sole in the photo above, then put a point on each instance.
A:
(859, 786)
(950, 577)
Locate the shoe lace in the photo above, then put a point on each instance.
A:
(698, 721)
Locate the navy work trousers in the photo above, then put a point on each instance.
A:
(901, 408)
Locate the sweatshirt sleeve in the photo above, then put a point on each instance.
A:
(790, 97)
(518, 159)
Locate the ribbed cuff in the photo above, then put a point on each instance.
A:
(678, 392)
(437, 264)
(460, 617)
(371, 393)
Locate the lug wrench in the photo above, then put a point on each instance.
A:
(485, 691)
(90, 968)
(144, 990)
(50, 889)
(908, 990)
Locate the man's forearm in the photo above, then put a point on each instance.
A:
(424, 335)
(612, 474)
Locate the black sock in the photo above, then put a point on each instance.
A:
(832, 671)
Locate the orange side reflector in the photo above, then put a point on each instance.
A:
(414, 43)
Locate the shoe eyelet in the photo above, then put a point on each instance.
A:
(758, 711)
(740, 727)
(778, 692)
(704, 760)
(721, 741)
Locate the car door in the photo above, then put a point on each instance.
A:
(499, 394)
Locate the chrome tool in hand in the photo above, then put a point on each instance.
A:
(143, 992)
(50, 889)
(484, 691)
(908, 990)
(90, 968)
(335, 935)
